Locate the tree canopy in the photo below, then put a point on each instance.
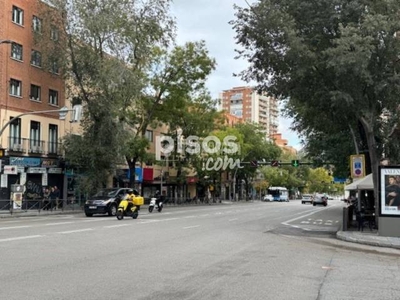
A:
(336, 63)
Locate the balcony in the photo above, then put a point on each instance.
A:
(54, 149)
(17, 145)
(35, 146)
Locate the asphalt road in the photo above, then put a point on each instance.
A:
(226, 251)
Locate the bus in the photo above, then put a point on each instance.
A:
(279, 193)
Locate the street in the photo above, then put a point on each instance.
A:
(257, 250)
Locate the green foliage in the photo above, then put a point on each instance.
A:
(337, 64)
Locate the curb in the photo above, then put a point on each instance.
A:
(377, 241)
(37, 214)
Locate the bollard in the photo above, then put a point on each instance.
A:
(345, 218)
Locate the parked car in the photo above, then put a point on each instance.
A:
(105, 201)
(306, 198)
(268, 197)
(320, 199)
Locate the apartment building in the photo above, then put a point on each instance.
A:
(28, 83)
(244, 102)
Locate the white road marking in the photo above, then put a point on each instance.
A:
(232, 220)
(118, 225)
(306, 215)
(59, 223)
(21, 238)
(305, 222)
(188, 217)
(75, 231)
(14, 227)
(190, 227)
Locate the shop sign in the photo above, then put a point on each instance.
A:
(25, 161)
(55, 171)
(44, 179)
(12, 170)
(49, 163)
(4, 180)
(37, 170)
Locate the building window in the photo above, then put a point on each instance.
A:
(15, 87)
(36, 58)
(37, 24)
(54, 33)
(15, 134)
(18, 15)
(35, 135)
(16, 51)
(149, 135)
(35, 92)
(55, 68)
(53, 138)
(53, 97)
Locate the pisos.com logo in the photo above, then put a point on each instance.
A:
(217, 152)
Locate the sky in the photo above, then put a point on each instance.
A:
(208, 20)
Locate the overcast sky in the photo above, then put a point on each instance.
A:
(208, 20)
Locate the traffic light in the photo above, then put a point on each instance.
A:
(275, 163)
(295, 163)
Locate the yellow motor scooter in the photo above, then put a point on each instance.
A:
(130, 206)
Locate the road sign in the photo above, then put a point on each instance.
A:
(275, 163)
(254, 163)
(295, 163)
(357, 166)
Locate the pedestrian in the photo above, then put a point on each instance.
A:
(53, 198)
(46, 196)
(57, 197)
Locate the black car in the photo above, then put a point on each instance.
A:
(105, 201)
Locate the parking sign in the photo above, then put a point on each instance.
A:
(357, 166)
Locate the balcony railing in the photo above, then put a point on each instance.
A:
(33, 147)
(54, 148)
(16, 144)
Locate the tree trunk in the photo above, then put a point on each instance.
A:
(373, 155)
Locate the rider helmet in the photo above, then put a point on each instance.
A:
(135, 192)
(130, 191)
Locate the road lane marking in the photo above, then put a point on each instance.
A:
(75, 231)
(21, 238)
(59, 223)
(14, 227)
(232, 220)
(190, 227)
(118, 225)
(306, 215)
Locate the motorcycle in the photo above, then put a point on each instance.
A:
(154, 205)
(128, 208)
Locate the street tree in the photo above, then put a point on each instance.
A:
(338, 56)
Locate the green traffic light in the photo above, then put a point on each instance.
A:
(295, 163)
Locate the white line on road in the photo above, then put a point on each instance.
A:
(21, 238)
(232, 220)
(118, 225)
(59, 223)
(190, 227)
(306, 215)
(14, 227)
(75, 231)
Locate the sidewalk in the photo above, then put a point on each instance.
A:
(33, 213)
(369, 238)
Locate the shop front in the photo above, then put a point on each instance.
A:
(34, 174)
